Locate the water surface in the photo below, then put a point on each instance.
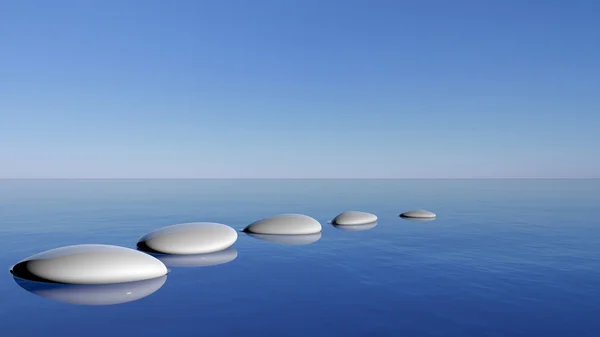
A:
(503, 258)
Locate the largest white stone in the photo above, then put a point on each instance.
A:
(89, 264)
(189, 238)
(285, 224)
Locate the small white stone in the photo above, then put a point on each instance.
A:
(285, 224)
(199, 260)
(94, 294)
(290, 239)
(364, 227)
(352, 218)
(421, 214)
(89, 264)
(189, 238)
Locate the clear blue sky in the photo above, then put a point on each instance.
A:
(299, 89)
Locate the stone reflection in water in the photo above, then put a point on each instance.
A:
(291, 239)
(199, 260)
(418, 219)
(363, 227)
(93, 294)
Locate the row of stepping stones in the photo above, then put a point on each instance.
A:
(108, 264)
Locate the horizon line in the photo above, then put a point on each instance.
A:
(503, 178)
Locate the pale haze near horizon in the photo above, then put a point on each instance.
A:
(307, 89)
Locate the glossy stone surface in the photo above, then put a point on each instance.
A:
(189, 238)
(351, 218)
(420, 214)
(285, 224)
(89, 264)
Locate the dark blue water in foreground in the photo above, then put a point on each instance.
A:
(504, 258)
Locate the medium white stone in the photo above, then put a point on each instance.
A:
(289, 239)
(352, 218)
(420, 214)
(363, 227)
(199, 260)
(94, 294)
(285, 224)
(189, 238)
(89, 264)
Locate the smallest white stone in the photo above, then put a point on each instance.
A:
(353, 218)
(420, 214)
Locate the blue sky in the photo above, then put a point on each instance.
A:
(299, 89)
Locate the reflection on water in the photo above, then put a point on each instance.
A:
(418, 219)
(198, 260)
(93, 294)
(363, 227)
(296, 239)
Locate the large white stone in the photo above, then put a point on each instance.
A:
(420, 214)
(364, 227)
(288, 239)
(189, 238)
(89, 264)
(353, 218)
(199, 260)
(94, 294)
(285, 224)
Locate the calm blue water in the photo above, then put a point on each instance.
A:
(504, 258)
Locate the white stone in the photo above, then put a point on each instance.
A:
(285, 224)
(189, 238)
(364, 227)
(89, 264)
(199, 260)
(94, 294)
(352, 218)
(289, 239)
(421, 214)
